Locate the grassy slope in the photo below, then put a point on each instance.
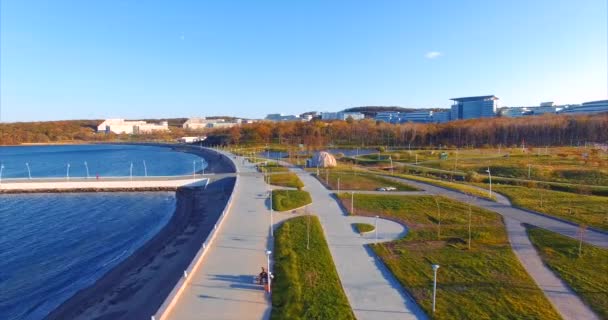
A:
(287, 179)
(283, 200)
(487, 282)
(586, 275)
(362, 181)
(590, 210)
(306, 284)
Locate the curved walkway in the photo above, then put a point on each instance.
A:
(565, 301)
(372, 290)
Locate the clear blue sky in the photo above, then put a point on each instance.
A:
(134, 59)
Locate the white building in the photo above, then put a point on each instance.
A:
(587, 107)
(120, 126)
(203, 123)
(342, 115)
(277, 117)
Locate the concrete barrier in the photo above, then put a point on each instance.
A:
(173, 297)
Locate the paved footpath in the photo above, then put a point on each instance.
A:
(565, 301)
(223, 286)
(371, 289)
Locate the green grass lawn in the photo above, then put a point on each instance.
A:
(485, 282)
(287, 179)
(272, 167)
(586, 275)
(283, 200)
(361, 181)
(306, 285)
(589, 210)
(363, 227)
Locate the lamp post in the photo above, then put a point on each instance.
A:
(203, 165)
(338, 185)
(145, 168)
(86, 166)
(435, 267)
(268, 253)
(1, 169)
(490, 176)
(29, 173)
(352, 203)
(529, 169)
(193, 169)
(131, 171)
(67, 173)
(391, 159)
(376, 227)
(271, 222)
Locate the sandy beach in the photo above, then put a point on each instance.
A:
(137, 287)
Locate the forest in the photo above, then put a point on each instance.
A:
(546, 130)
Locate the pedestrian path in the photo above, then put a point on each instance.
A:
(223, 287)
(371, 289)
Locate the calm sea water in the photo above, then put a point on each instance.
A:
(53, 245)
(102, 160)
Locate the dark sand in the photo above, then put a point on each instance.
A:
(138, 286)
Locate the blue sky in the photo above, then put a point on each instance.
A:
(136, 59)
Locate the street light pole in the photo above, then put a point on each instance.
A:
(376, 227)
(391, 159)
(435, 267)
(193, 169)
(490, 176)
(352, 203)
(29, 172)
(86, 165)
(338, 185)
(271, 222)
(145, 168)
(529, 171)
(268, 253)
(1, 169)
(67, 174)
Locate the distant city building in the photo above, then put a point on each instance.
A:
(278, 117)
(342, 115)
(418, 117)
(442, 116)
(587, 107)
(474, 107)
(120, 126)
(203, 123)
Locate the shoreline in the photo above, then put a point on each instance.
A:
(138, 286)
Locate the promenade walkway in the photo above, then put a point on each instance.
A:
(222, 288)
(124, 183)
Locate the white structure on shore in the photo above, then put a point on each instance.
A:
(191, 139)
(203, 123)
(119, 126)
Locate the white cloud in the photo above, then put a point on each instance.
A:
(433, 54)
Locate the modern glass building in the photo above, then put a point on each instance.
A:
(474, 107)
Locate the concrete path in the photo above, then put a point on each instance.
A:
(565, 301)
(223, 287)
(371, 289)
(125, 183)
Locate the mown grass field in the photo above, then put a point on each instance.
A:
(356, 180)
(287, 179)
(272, 167)
(485, 282)
(450, 185)
(306, 285)
(363, 227)
(283, 200)
(581, 209)
(587, 275)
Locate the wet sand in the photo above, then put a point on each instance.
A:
(138, 286)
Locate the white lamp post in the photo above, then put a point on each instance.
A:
(435, 267)
(338, 185)
(352, 203)
(271, 222)
(529, 169)
(1, 169)
(131, 171)
(145, 168)
(268, 253)
(490, 176)
(67, 173)
(86, 166)
(29, 173)
(376, 227)
(391, 159)
(193, 169)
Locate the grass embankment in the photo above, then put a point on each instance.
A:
(450, 185)
(485, 282)
(307, 285)
(582, 209)
(586, 274)
(272, 167)
(363, 227)
(283, 200)
(287, 179)
(349, 180)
